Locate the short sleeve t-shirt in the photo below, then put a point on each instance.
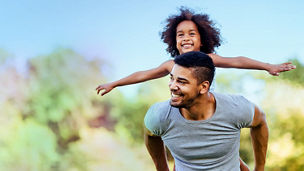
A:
(211, 144)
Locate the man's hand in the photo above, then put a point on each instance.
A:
(106, 87)
(275, 69)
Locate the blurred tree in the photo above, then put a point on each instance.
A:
(129, 114)
(60, 96)
(45, 109)
(296, 76)
(48, 113)
(283, 104)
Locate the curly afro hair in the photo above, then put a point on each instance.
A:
(210, 35)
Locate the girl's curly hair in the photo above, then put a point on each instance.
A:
(210, 35)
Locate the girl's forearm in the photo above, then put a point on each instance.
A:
(134, 78)
(146, 75)
(139, 76)
(248, 63)
(244, 63)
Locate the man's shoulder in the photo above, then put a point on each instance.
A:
(159, 110)
(229, 97)
(155, 118)
(161, 106)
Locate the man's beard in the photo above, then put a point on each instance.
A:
(183, 105)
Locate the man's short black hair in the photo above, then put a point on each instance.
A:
(203, 65)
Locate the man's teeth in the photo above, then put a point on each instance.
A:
(175, 95)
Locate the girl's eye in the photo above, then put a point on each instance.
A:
(180, 35)
(192, 34)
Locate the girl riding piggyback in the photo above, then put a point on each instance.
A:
(187, 32)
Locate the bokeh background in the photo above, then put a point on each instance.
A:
(53, 54)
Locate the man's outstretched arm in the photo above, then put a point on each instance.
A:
(259, 137)
(157, 151)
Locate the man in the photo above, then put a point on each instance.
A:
(201, 128)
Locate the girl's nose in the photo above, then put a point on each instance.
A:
(186, 37)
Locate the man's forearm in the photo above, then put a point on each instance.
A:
(259, 136)
(157, 151)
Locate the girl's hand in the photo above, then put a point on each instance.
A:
(277, 68)
(106, 87)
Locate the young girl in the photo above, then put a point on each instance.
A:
(192, 32)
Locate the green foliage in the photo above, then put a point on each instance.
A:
(130, 114)
(296, 76)
(45, 120)
(285, 115)
(60, 95)
(59, 83)
(22, 148)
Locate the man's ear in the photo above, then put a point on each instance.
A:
(204, 87)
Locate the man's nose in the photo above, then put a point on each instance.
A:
(172, 85)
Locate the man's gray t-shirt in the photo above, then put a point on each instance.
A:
(211, 144)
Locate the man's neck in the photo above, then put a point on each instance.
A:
(203, 108)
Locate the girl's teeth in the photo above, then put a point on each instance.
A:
(186, 46)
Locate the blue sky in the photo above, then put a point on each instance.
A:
(126, 33)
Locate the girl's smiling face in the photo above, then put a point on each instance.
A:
(188, 37)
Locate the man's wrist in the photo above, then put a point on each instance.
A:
(259, 168)
(163, 169)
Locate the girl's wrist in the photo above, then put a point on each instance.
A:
(115, 84)
(267, 66)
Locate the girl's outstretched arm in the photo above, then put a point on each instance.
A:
(137, 77)
(247, 63)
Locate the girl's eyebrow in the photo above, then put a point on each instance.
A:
(180, 31)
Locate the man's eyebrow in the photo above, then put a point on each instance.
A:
(179, 78)
(182, 79)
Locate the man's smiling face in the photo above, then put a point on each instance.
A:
(183, 86)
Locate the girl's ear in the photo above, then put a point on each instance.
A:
(204, 87)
